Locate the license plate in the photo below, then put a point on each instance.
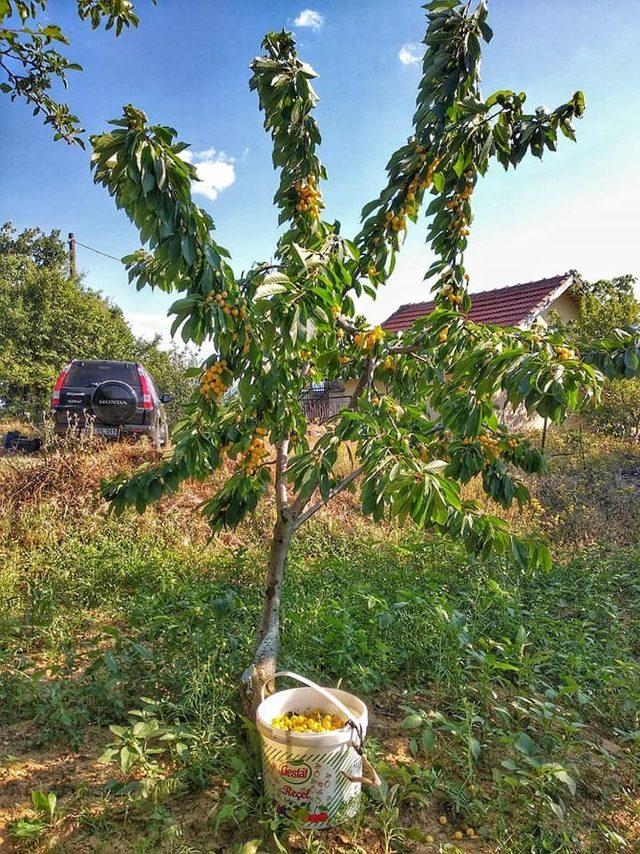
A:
(107, 432)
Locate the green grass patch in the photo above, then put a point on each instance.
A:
(519, 691)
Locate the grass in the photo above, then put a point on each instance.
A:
(502, 700)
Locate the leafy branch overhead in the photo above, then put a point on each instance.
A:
(424, 415)
(31, 62)
(278, 328)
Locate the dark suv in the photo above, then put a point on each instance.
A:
(115, 399)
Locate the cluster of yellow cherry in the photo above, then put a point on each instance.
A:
(423, 184)
(451, 295)
(449, 291)
(211, 384)
(230, 308)
(368, 340)
(389, 363)
(313, 721)
(257, 452)
(398, 221)
(335, 311)
(443, 335)
(565, 353)
(309, 196)
(456, 204)
(490, 444)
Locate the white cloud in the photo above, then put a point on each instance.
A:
(149, 324)
(309, 18)
(146, 324)
(409, 54)
(215, 170)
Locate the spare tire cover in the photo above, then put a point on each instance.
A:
(114, 402)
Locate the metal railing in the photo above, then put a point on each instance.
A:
(320, 404)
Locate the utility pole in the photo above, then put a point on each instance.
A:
(72, 255)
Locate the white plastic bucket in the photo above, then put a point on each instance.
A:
(305, 774)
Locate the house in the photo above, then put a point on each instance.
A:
(523, 305)
(520, 305)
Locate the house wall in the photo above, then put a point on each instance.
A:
(350, 387)
(564, 306)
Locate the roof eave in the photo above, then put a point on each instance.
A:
(572, 278)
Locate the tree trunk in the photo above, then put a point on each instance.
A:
(288, 519)
(263, 666)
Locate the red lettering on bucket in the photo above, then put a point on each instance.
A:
(300, 794)
(297, 773)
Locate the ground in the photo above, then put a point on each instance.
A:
(501, 700)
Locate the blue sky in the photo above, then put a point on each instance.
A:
(186, 65)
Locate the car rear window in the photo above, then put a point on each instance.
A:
(86, 374)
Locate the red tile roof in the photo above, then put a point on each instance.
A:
(504, 306)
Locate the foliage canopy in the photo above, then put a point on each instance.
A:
(607, 308)
(281, 325)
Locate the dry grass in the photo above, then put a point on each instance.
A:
(588, 497)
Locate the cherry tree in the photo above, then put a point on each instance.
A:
(423, 418)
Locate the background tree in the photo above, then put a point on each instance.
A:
(45, 250)
(283, 324)
(31, 63)
(48, 318)
(606, 306)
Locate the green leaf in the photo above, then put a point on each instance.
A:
(108, 756)
(428, 738)
(567, 779)
(126, 759)
(526, 745)
(117, 730)
(474, 747)
(44, 802)
(268, 289)
(439, 181)
(412, 722)
(293, 329)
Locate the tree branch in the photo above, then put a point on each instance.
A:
(281, 493)
(339, 487)
(365, 381)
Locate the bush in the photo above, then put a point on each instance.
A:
(619, 412)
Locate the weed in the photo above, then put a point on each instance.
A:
(32, 827)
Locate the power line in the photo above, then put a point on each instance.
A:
(98, 252)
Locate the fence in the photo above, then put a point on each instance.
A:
(322, 404)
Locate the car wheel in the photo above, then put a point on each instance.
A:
(162, 436)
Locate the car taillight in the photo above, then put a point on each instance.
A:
(55, 395)
(147, 400)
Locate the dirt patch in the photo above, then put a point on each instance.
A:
(54, 768)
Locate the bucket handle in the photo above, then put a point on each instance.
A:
(323, 691)
(372, 778)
